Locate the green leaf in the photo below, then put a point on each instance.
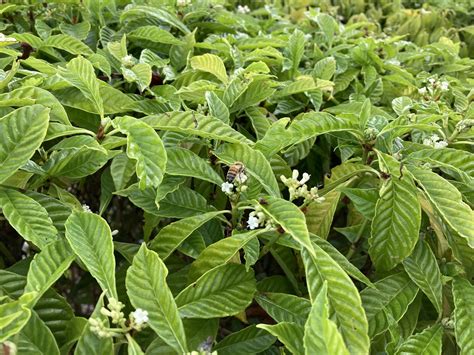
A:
(40, 97)
(28, 217)
(289, 217)
(463, 293)
(48, 266)
(290, 334)
(423, 269)
(223, 291)
(460, 162)
(283, 307)
(250, 340)
(343, 296)
(216, 107)
(172, 235)
(396, 223)
(210, 63)
(91, 239)
(320, 333)
(197, 124)
(21, 133)
(325, 68)
(36, 338)
(220, 253)
(447, 200)
(296, 49)
(427, 341)
(91, 343)
(256, 165)
(312, 124)
(76, 163)
(184, 162)
(147, 289)
(154, 34)
(122, 170)
(345, 264)
(364, 200)
(146, 147)
(319, 215)
(159, 14)
(14, 315)
(69, 44)
(391, 295)
(80, 74)
(133, 348)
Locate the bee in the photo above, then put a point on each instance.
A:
(236, 170)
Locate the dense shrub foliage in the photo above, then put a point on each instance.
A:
(228, 178)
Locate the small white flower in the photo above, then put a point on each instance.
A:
(86, 208)
(227, 187)
(4, 39)
(440, 144)
(182, 3)
(431, 81)
(295, 175)
(128, 60)
(140, 316)
(305, 178)
(243, 9)
(444, 86)
(115, 232)
(241, 178)
(252, 222)
(422, 91)
(393, 61)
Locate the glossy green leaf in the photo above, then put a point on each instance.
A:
(250, 340)
(447, 200)
(90, 237)
(147, 289)
(290, 334)
(320, 333)
(396, 223)
(284, 307)
(172, 235)
(391, 295)
(146, 147)
(289, 217)
(463, 293)
(220, 253)
(196, 124)
(184, 162)
(28, 217)
(343, 297)
(427, 341)
(212, 64)
(423, 269)
(80, 74)
(36, 338)
(21, 134)
(48, 266)
(220, 292)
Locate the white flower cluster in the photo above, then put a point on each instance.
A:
(433, 87)
(258, 218)
(239, 183)
(298, 188)
(86, 208)
(183, 3)
(4, 39)
(435, 141)
(114, 311)
(128, 61)
(465, 125)
(137, 320)
(243, 9)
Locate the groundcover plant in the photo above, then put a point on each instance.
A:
(236, 178)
